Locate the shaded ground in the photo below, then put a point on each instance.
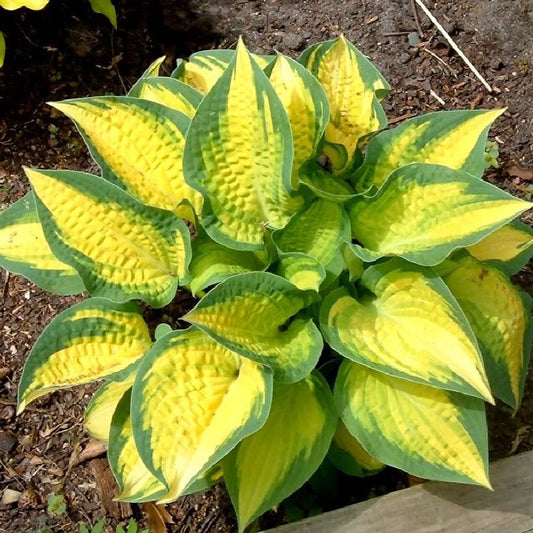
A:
(68, 51)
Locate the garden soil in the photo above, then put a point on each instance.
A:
(68, 51)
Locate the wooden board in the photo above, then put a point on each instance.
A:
(440, 507)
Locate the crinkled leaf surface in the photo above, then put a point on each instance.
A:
(192, 402)
(306, 105)
(213, 263)
(135, 482)
(24, 250)
(171, 93)
(351, 83)
(500, 317)
(241, 162)
(428, 432)
(317, 231)
(139, 146)
(455, 139)
(285, 452)
(254, 315)
(301, 270)
(89, 341)
(424, 212)
(508, 248)
(100, 409)
(410, 326)
(204, 68)
(121, 248)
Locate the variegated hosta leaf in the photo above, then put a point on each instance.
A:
(428, 432)
(204, 68)
(424, 212)
(271, 464)
(454, 139)
(306, 105)
(192, 402)
(411, 327)
(139, 146)
(254, 315)
(317, 231)
(241, 162)
(351, 83)
(152, 71)
(213, 263)
(121, 248)
(91, 340)
(136, 483)
(11, 5)
(500, 318)
(324, 184)
(99, 411)
(508, 248)
(349, 456)
(352, 263)
(24, 250)
(301, 270)
(171, 93)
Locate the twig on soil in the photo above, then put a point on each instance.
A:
(452, 43)
(437, 97)
(440, 60)
(417, 20)
(405, 116)
(396, 33)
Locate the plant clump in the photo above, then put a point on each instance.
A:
(354, 302)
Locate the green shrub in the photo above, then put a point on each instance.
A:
(355, 304)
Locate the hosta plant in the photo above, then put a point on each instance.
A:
(353, 295)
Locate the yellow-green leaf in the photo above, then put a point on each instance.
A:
(121, 248)
(139, 146)
(306, 105)
(358, 460)
(2, 49)
(428, 432)
(455, 139)
(24, 250)
(410, 326)
(423, 212)
(11, 5)
(136, 483)
(241, 162)
(500, 319)
(171, 93)
(301, 270)
(271, 464)
(192, 402)
(254, 314)
(204, 68)
(508, 248)
(99, 411)
(213, 263)
(106, 8)
(89, 341)
(317, 231)
(351, 83)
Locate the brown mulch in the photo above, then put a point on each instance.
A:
(68, 51)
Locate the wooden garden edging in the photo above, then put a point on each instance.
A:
(440, 507)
